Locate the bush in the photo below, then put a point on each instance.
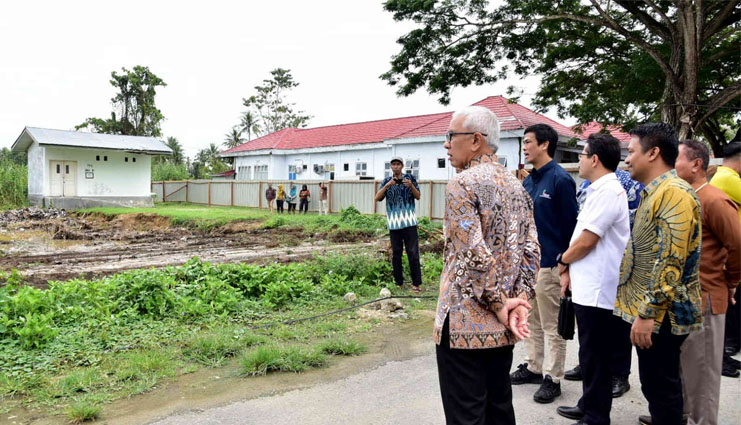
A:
(167, 171)
(13, 184)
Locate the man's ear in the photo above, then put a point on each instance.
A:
(654, 153)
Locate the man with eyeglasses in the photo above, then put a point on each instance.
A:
(554, 195)
(490, 261)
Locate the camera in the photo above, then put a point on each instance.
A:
(398, 181)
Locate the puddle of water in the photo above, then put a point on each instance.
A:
(33, 240)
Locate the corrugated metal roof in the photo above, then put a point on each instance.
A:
(47, 136)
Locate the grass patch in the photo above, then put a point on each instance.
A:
(214, 349)
(13, 184)
(341, 347)
(83, 410)
(273, 358)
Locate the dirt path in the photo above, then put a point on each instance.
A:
(92, 246)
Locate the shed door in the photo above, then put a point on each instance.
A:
(63, 178)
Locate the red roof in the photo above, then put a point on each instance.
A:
(511, 115)
(586, 130)
(225, 174)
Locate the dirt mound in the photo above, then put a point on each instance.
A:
(30, 214)
(239, 227)
(349, 235)
(142, 221)
(435, 246)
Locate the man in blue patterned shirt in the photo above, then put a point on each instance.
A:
(400, 191)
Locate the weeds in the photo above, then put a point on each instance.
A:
(214, 349)
(342, 347)
(83, 410)
(272, 358)
(13, 184)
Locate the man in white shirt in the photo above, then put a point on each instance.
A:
(590, 267)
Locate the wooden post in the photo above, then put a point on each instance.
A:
(164, 194)
(329, 198)
(232, 204)
(186, 191)
(431, 186)
(259, 195)
(375, 190)
(209, 193)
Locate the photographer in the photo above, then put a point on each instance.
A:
(400, 191)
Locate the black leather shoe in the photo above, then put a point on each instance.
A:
(573, 374)
(644, 420)
(731, 362)
(620, 386)
(570, 412)
(523, 376)
(548, 391)
(729, 371)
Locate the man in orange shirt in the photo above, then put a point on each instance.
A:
(702, 351)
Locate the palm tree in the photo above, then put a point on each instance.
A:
(250, 124)
(233, 138)
(177, 150)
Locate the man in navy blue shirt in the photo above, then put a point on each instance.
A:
(554, 196)
(400, 191)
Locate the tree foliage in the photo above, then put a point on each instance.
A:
(271, 105)
(233, 138)
(250, 124)
(616, 62)
(134, 110)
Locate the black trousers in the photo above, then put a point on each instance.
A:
(474, 384)
(279, 205)
(733, 324)
(595, 351)
(661, 381)
(292, 207)
(409, 239)
(622, 347)
(303, 206)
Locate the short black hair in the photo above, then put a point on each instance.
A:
(697, 150)
(732, 149)
(544, 133)
(607, 149)
(658, 135)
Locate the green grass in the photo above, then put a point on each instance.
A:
(341, 347)
(214, 349)
(83, 410)
(13, 184)
(273, 358)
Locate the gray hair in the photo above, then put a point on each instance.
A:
(481, 120)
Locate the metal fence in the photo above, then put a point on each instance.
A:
(342, 193)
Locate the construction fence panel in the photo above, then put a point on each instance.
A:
(359, 194)
(198, 192)
(221, 193)
(438, 196)
(175, 191)
(157, 191)
(247, 194)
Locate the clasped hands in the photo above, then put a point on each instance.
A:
(513, 315)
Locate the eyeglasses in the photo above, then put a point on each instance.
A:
(449, 135)
(587, 154)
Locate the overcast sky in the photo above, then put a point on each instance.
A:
(57, 57)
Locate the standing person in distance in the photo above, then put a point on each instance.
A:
(270, 196)
(590, 267)
(490, 261)
(291, 198)
(304, 196)
(323, 198)
(280, 198)
(400, 191)
(554, 195)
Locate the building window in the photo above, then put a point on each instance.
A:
(244, 173)
(126, 159)
(412, 167)
(441, 163)
(97, 157)
(261, 172)
(133, 159)
(386, 169)
(502, 160)
(346, 167)
(361, 168)
(105, 158)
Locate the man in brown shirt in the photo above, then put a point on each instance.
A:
(491, 259)
(702, 352)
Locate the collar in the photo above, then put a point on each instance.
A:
(657, 181)
(602, 181)
(481, 159)
(728, 170)
(544, 169)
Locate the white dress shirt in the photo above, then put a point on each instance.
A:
(594, 278)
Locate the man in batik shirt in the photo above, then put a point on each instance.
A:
(659, 290)
(491, 259)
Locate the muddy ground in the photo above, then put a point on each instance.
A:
(56, 245)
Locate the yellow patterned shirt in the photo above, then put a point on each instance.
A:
(659, 275)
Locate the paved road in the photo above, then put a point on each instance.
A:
(407, 392)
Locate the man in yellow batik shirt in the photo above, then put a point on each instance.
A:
(659, 289)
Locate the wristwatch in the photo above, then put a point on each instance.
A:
(558, 260)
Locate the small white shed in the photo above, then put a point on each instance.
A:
(73, 169)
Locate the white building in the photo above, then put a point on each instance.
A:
(362, 150)
(72, 169)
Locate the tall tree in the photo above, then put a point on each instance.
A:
(134, 110)
(233, 138)
(250, 124)
(177, 151)
(613, 61)
(271, 105)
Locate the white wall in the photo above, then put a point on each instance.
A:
(114, 177)
(37, 173)
(427, 154)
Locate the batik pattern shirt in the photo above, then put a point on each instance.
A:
(659, 275)
(632, 189)
(400, 212)
(491, 254)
